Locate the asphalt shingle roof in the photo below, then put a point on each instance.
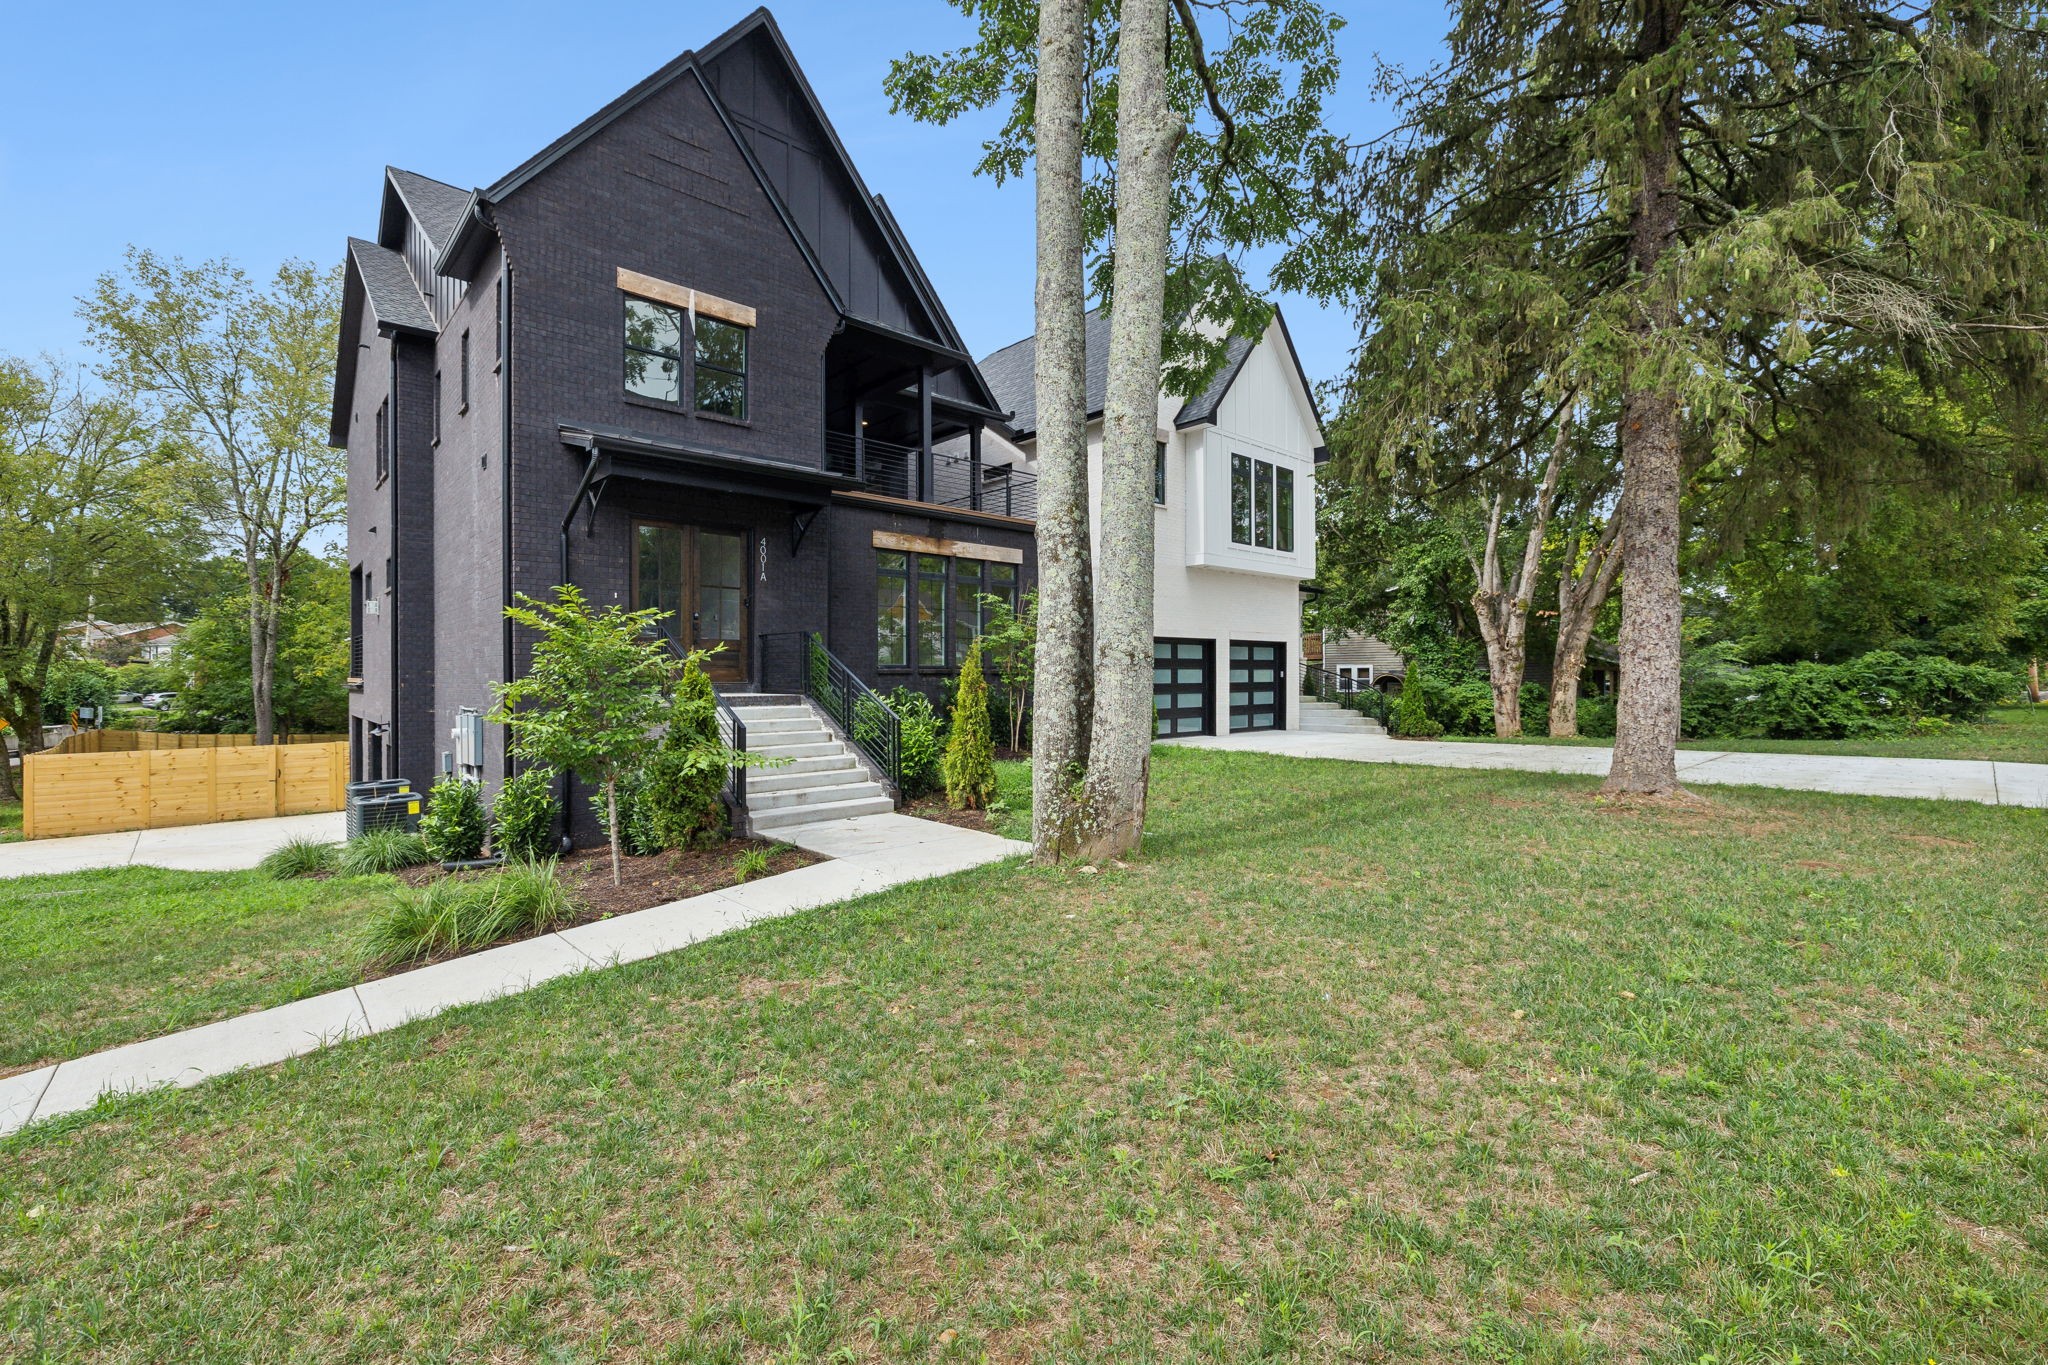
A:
(437, 205)
(393, 295)
(1012, 374)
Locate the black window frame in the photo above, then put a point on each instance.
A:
(383, 441)
(464, 380)
(627, 349)
(698, 365)
(498, 322)
(900, 574)
(437, 407)
(1241, 510)
(1171, 715)
(1159, 474)
(1261, 518)
(909, 571)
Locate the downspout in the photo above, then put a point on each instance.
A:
(505, 481)
(393, 573)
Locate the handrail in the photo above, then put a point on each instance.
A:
(856, 708)
(1324, 685)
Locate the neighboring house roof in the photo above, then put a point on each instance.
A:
(435, 205)
(1013, 374)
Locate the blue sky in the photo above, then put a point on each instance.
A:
(259, 131)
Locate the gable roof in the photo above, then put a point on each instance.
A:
(435, 205)
(376, 277)
(1012, 373)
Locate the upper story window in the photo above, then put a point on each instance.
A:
(1159, 473)
(654, 350)
(383, 440)
(437, 407)
(465, 372)
(721, 368)
(1261, 504)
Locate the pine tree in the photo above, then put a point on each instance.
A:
(1704, 211)
(970, 764)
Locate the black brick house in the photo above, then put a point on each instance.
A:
(684, 358)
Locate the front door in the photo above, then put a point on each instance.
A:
(697, 575)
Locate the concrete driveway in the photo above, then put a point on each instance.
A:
(1944, 779)
(228, 846)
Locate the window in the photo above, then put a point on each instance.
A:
(383, 440)
(721, 368)
(1261, 504)
(1159, 474)
(654, 350)
(355, 625)
(892, 595)
(437, 407)
(465, 372)
(948, 595)
(498, 323)
(390, 575)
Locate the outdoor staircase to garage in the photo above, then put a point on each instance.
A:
(823, 779)
(1329, 717)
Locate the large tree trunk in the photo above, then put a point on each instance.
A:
(1646, 719)
(1148, 130)
(1064, 667)
(2034, 681)
(1503, 607)
(1581, 592)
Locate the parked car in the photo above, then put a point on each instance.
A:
(127, 698)
(159, 701)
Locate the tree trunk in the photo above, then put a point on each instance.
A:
(263, 614)
(2034, 681)
(1064, 665)
(1646, 718)
(611, 820)
(1503, 607)
(1147, 134)
(1581, 592)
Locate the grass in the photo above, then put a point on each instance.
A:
(1358, 1063)
(10, 821)
(92, 959)
(382, 850)
(300, 858)
(456, 914)
(2009, 734)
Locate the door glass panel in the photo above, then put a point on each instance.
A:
(658, 577)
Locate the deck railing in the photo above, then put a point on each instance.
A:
(898, 472)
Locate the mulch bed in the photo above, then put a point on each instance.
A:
(934, 808)
(647, 882)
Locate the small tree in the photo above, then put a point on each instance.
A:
(685, 779)
(523, 820)
(970, 748)
(453, 826)
(1011, 643)
(590, 695)
(1411, 714)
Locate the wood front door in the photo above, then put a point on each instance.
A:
(698, 576)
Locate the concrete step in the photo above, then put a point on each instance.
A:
(759, 802)
(796, 711)
(784, 779)
(816, 745)
(831, 810)
(798, 767)
(1332, 727)
(778, 725)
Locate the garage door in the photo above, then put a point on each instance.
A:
(1258, 696)
(1184, 686)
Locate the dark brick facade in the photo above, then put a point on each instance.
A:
(665, 190)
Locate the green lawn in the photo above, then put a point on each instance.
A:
(1358, 1063)
(92, 959)
(2010, 734)
(10, 821)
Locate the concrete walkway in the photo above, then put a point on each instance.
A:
(1946, 779)
(868, 853)
(228, 846)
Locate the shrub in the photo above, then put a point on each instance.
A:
(918, 740)
(453, 826)
(751, 863)
(1596, 717)
(381, 850)
(638, 836)
(76, 683)
(685, 777)
(456, 914)
(299, 858)
(1411, 716)
(970, 749)
(1463, 707)
(1535, 709)
(523, 821)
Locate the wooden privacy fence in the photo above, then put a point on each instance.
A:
(156, 788)
(133, 741)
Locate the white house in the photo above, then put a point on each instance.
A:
(1236, 528)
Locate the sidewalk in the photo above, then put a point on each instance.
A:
(868, 853)
(1943, 779)
(228, 846)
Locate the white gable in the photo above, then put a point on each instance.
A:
(1266, 401)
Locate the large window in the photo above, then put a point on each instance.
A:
(465, 372)
(654, 350)
(1159, 473)
(721, 368)
(929, 608)
(1261, 504)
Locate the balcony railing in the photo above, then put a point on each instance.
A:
(895, 470)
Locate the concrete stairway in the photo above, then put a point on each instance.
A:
(1329, 717)
(821, 781)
